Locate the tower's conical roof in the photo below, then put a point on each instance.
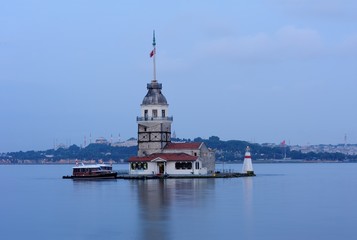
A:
(154, 95)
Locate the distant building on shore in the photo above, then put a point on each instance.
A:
(128, 143)
(101, 140)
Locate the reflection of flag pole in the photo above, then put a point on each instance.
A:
(153, 53)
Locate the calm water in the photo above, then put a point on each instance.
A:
(284, 201)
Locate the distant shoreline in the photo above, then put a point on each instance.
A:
(270, 161)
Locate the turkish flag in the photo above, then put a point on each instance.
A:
(152, 53)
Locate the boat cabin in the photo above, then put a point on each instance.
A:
(91, 170)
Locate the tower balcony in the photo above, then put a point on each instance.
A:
(148, 119)
(154, 85)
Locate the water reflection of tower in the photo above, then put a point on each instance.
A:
(154, 202)
(158, 199)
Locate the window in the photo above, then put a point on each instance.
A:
(163, 113)
(139, 166)
(154, 112)
(197, 165)
(183, 165)
(146, 114)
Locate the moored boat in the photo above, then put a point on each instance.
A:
(94, 171)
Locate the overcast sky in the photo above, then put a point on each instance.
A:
(260, 71)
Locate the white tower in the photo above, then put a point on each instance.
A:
(154, 124)
(247, 163)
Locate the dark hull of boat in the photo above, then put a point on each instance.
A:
(93, 177)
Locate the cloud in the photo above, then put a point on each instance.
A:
(327, 9)
(286, 43)
(348, 47)
(299, 42)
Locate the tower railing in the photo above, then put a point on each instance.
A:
(139, 119)
(154, 85)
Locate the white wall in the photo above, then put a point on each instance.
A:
(169, 169)
(152, 167)
(159, 109)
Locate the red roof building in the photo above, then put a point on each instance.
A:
(183, 146)
(176, 159)
(164, 157)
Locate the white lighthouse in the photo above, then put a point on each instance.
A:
(247, 163)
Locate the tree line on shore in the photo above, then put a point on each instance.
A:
(231, 150)
(234, 150)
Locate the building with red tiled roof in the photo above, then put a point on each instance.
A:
(176, 159)
(164, 157)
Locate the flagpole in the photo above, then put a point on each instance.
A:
(154, 56)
